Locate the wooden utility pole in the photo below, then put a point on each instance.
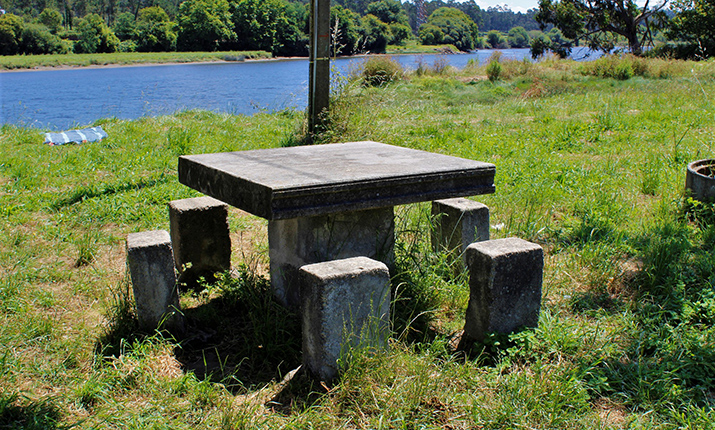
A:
(319, 84)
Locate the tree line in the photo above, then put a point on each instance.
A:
(276, 26)
(357, 26)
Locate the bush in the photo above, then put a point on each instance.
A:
(379, 71)
(10, 34)
(37, 39)
(620, 67)
(494, 70)
(95, 36)
(127, 46)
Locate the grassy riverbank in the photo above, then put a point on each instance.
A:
(24, 62)
(18, 62)
(591, 168)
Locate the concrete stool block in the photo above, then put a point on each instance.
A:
(200, 237)
(458, 223)
(151, 267)
(345, 304)
(505, 278)
(295, 242)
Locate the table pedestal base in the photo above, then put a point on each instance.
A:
(296, 242)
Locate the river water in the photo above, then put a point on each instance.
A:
(69, 98)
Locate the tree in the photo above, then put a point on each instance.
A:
(263, 25)
(95, 36)
(125, 26)
(52, 19)
(346, 32)
(37, 39)
(496, 39)
(430, 34)
(10, 34)
(694, 23)
(518, 37)
(204, 25)
(553, 41)
(389, 12)
(376, 33)
(400, 33)
(155, 32)
(599, 22)
(455, 28)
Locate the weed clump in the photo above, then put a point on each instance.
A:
(619, 67)
(494, 70)
(380, 71)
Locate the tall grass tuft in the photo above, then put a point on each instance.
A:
(379, 71)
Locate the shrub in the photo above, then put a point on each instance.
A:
(95, 36)
(127, 46)
(494, 70)
(620, 67)
(379, 71)
(37, 39)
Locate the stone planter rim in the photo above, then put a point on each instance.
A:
(701, 186)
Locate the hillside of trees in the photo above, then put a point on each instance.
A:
(277, 26)
(358, 26)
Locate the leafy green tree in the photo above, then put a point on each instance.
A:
(52, 19)
(264, 24)
(37, 39)
(204, 25)
(155, 32)
(694, 23)
(518, 37)
(389, 12)
(10, 34)
(599, 23)
(553, 41)
(376, 34)
(95, 36)
(292, 37)
(346, 31)
(496, 39)
(456, 28)
(400, 33)
(125, 27)
(431, 34)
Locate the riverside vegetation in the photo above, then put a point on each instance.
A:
(590, 164)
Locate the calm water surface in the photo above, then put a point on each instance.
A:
(62, 99)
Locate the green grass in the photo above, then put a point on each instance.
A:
(12, 62)
(591, 168)
(414, 47)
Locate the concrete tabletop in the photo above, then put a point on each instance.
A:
(282, 183)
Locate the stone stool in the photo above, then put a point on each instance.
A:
(151, 267)
(458, 223)
(345, 304)
(200, 238)
(505, 278)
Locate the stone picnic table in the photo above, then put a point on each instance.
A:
(328, 202)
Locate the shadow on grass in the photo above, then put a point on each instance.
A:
(242, 337)
(91, 191)
(20, 413)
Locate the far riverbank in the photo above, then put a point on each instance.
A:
(127, 59)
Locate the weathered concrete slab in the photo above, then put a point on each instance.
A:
(199, 237)
(293, 243)
(345, 304)
(284, 183)
(151, 267)
(458, 223)
(505, 278)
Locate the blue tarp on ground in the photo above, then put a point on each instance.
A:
(91, 134)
